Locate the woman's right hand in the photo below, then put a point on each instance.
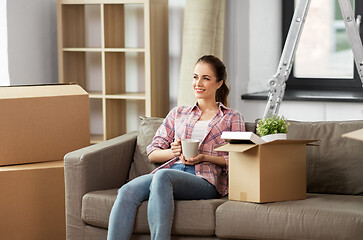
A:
(176, 147)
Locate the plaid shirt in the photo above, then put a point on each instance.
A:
(180, 123)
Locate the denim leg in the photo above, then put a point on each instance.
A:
(129, 198)
(167, 185)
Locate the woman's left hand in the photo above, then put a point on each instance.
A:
(192, 161)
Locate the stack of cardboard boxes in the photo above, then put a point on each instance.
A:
(38, 126)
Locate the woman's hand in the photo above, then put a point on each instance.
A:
(176, 148)
(163, 155)
(192, 161)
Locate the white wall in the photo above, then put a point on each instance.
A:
(32, 41)
(4, 72)
(252, 49)
(176, 20)
(237, 49)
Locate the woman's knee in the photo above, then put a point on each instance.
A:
(162, 178)
(163, 175)
(133, 193)
(125, 192)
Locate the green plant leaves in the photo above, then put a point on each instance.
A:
(271, 125)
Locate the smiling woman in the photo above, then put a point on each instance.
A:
(4, 73)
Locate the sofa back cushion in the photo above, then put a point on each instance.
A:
(146, 132)
(336, 165)
(250, 127)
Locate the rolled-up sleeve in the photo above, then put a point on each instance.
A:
(237, 125)
(164, 135)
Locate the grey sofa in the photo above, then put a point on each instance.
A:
(333, 208)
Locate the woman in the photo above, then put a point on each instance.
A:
(202, 177)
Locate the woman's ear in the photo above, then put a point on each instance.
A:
(220, 83)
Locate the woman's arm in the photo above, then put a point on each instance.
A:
(204, 158)
(160, 156)
(159, 150)
(163, 155)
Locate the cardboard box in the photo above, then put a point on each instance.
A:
(42, 123)
(356, 135)
(32, 201)
(268, 172)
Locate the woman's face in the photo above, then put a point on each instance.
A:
(205, 83)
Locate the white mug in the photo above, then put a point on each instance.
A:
(190, 148)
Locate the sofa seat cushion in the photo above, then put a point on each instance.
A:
(319, 216)
(190, 217)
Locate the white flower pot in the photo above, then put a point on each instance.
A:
(273, 137)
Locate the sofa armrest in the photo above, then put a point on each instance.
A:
(101, 166)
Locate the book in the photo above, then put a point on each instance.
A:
(242, 137)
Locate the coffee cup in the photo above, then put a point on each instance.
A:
(190, 148)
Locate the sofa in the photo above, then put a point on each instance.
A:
(333, 208)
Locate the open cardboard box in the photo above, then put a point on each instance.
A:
(42, 123)
(267, 172)
(356, 135)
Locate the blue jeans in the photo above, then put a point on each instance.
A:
(160, 188)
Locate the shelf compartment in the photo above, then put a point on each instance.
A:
(125, 49)
(124, 73)
(96, 138)
(95, 94)
(81, 25)
(134, 96)
(97, 120)
(82, 49)
(83, 68)
(115, 118)
(124, 25)
(122, 116)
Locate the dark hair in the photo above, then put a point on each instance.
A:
(221, 75)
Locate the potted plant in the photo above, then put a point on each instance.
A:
(272, 128)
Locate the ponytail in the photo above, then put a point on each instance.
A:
(222, 94)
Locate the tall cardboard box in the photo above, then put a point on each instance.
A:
(32, 201)
(42, 123)
(268, 172)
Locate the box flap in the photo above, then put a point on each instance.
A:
(295, 141)
(235, 147)
(12, 92)
(232, 147)
(241, 137)
(356, 135)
